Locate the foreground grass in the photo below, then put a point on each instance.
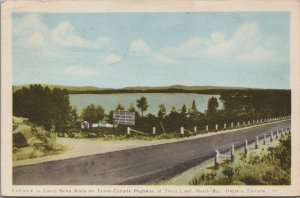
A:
(264, 166)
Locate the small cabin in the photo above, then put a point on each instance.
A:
(85, 125)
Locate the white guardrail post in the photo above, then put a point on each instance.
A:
(256, 142)
(232, 153)
(217, 158)
(154, 130)
(271, 136)
(182, 131)
(128, 130)
(246, 147)
(206, 128)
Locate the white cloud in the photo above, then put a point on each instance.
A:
(243, 39)
(194, 42)
(217, 37)
(139, 45)
(193, 47)
(29, 24)
(259, 54)
(36, 39)
(31, 31)
(64, 34)
(245, 44)
(113, 58)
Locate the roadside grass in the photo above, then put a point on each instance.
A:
(268, 165)
(113, 134)
(30, 152)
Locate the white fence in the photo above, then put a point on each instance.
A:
(279, 134)
(226, 126)
(233, 125)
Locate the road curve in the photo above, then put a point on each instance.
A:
(138, 165)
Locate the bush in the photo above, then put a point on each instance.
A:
(273, 168)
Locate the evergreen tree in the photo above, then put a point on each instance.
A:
(162, 111)
(212, 107)
(183, 110)
(193, 109)
(142, 104)
(93, 114)
(73, 115)
(42, 106)
(120, 108)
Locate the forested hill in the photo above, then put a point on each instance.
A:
(69, 88)
(143, 89)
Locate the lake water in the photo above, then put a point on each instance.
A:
(110, 101)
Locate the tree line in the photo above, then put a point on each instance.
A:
(43, 106)
(51, 108)
(212, 91)
(237, 106)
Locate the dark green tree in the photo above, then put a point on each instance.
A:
(162, 111)
(120, 107)
(42, 106)
(60, 111)
(173, 110)
(93, 114)
(212, 107)
(142, 104)
(131, 108)
(193, 109)
(73, 115)
(183, 110)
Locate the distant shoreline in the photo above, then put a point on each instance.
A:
(168, 89)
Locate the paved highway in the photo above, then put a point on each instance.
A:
(139, 165)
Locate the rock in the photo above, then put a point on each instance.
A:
(19, 140)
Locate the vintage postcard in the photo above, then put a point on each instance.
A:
(150, 98)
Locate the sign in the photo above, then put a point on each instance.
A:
(124, 117)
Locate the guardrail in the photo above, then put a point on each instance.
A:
(232, 125)
(279, 134)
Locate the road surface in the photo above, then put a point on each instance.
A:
(139, 165)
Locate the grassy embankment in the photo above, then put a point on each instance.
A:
(268, 165)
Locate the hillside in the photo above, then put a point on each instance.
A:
(135, 89)
(181, 87)
(69, 88)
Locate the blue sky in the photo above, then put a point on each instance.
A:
(152, 49)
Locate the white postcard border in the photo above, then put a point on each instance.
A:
(8, 7)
